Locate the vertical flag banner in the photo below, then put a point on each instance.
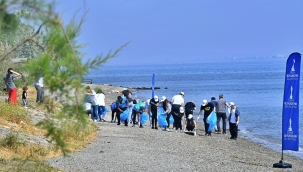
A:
(290, 114)
(153, 85)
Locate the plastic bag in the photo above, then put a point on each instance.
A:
(212, 121)
(143, 118)
(124, 115)
(162, 120)
(160, 110)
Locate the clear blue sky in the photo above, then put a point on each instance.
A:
(177, 31)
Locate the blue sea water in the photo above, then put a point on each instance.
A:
(256, 87)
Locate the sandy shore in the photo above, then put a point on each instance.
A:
(120, 148)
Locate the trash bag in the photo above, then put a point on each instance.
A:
(143, 118)
(124, 115)
(113, 106)
(212, 121)
(160, 110)
(162, 120)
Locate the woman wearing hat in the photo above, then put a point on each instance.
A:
(190, 124)
(10, 85)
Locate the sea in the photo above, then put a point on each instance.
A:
(256, 87)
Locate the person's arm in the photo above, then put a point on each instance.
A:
(195, 128)
(238, 119)
(16, 73)
(199, 114)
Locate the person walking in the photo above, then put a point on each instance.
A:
(221, 114)
(177, 102)
(234, 119)
(10, 85)
(207, 107)
(101, 104)
(24, 96)
(154, 103)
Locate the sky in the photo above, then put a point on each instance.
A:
(195, 31)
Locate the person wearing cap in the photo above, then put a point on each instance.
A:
(207, 107)
(10, 85)
(154, 103)
(221, 114)
(190, 124)
(234, 119)
(189, 108)
(177, 102)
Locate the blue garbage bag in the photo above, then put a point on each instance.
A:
(113, 106)
(160, 110)
(124, 115)
(162, 120)
(143, 118)
(171, 119)
(212, 121)
(104, 112)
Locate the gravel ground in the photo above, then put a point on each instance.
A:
(120, 148)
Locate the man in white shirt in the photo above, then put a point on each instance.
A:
(177, 102)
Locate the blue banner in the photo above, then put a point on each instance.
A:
(153, 85)
(290, 115)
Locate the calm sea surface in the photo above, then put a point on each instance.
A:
(256, 87)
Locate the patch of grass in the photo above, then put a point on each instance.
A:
(25, 165)
(77, 136)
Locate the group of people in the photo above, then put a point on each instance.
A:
(12, 89)
(95, 104)
(182, 113)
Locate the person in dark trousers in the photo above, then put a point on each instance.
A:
(208, 108)
(154, 103)
(234, 119)
(189, 108)
(167, 112)
(221, 114)
(121, 106)
(24, 96)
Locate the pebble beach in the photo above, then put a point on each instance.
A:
(121, 148)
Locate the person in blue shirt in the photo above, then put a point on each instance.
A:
(138, 109)
(121, 106)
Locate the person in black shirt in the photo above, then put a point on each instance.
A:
(189, 108)
(24, 96)
(208, 108)
(154, 103)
